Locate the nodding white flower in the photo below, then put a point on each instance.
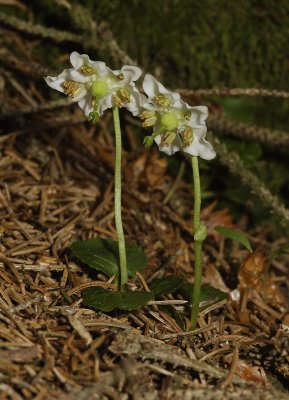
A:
(177, 126)
(95, 87)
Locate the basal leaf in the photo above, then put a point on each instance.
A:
(105, 300)
(102, 255)
(166, 285)
(209, 293)
(236, 235)
(173, 284)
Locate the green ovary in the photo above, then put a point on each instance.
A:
(99, 89)
(169, 121)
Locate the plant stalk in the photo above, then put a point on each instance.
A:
(198, 244)
(123, 276)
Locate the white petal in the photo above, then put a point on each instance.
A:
(200, 146)
(179, 104)
(84, 93)
(101, 68)
(130, 73)
(85, 104)
(77, 60)
(199, 115)
(78, 77)
(153, 88)
(104, 103)
(55, 82)
(136, 102)
(171, 148)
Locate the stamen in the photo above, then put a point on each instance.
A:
(86, 70)
(120, 77)
(149, 121)
(125, 94)
(162, 100)
(72, 88)
(147, 114)
(188, 136)
(168, 137)
(188, 115)
(117, 101)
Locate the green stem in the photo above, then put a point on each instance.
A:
(117, 201)
(198, 244)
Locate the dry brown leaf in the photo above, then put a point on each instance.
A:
(249, 373)
(253, 269)
(216, 218)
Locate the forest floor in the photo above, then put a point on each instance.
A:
(56, 187)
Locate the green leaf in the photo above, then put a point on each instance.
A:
(105, 300)
(102, 255)
(173, 284)
(166, 285)
(236, 235)
(209, 293)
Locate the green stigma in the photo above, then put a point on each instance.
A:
(148, 141)
(169, 121)
(99, 89)
(93, 117)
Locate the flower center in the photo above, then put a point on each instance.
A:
(169, 121)
(99, 89)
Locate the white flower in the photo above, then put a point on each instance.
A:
(95, 87)
(177, 126)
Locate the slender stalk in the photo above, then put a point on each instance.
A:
(117, 201)
(198, 244)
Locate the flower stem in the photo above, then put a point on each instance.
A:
(198, 243)
(117, 201)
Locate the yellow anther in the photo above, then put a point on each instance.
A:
(168, 137)
(147, 114)
(86, 70)
(117, 101)
(162, 100)
(72, 88)
(188, 136)
(125, 94)
(120, 77)
(149, 121)
(188, 115)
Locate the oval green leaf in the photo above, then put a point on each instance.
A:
(209, 294)
(105, 300)
(236, 235)
(165, 285)
(103, 255)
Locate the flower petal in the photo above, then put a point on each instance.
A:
(130, 73)
(101, 68)
(77, 60)
(135, 106)
(199, 115)
(104, 103)
(200, 146)
(55, 82)
(170, 149)
(85, 104)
